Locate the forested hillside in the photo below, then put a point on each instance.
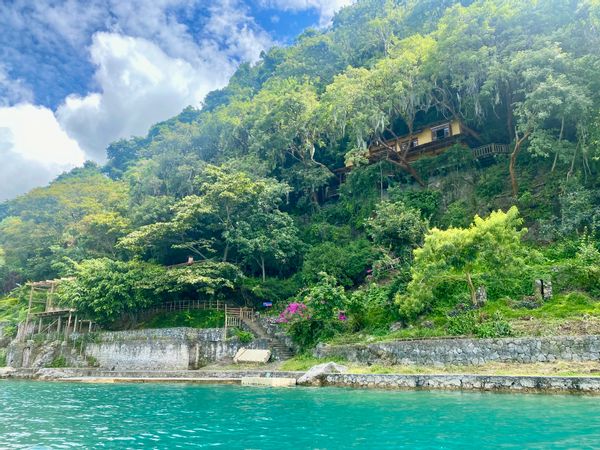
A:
(250, 185)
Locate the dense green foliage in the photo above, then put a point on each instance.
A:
(199, 318)
(247, 184)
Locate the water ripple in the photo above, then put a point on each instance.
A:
(37, 415)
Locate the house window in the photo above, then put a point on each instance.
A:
(414, 143)
(441, 132)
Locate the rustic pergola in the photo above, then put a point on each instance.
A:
(54, 318)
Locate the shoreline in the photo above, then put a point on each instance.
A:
(455, 382)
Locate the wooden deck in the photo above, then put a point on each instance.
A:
(383, 151)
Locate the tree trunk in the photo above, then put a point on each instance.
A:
(572, 168)
(315, 199)
(509, 113)
(468, 130)
(472, 289)
(262, 266)
(226, 252)
(513, 162)
(404, 164)
(562, 128)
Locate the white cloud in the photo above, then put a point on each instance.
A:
(13, 91)
(141, 85)
(33, 149)
(325, 8)
(149, 65)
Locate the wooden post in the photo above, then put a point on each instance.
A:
(49, 297)
(40, 326)
(28, 313)
(58, 326)
(68, 326)
(75, 325)
(90, 329)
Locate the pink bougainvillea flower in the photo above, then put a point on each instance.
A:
(291, 311)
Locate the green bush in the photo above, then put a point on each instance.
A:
(58, 362)
(371, 308)
(480, 325)
(198, 318)
(462, 324)
(348, 263)
(272, 289)
(457, 214)
(104, 289)
(397, 228)
(491, 248)
(580, 273)
(426, 201)
(2, 357)
(243, 336)
(92, 362)
(318, 313)
(10, 331)
(495, 327)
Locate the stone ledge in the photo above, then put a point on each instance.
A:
(585, 385)
(269, 381)
(467, 382)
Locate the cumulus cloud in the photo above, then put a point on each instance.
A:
(325, 8)
(140, 84)
(33, 149)
(149, 59)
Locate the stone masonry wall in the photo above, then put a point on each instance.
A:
(466, 382)
(153, 349)
(438, 352)
(164, 349)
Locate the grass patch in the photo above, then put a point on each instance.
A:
(197, 318)
(561, 306)
(569, 313)
(557, 368)
(301, 363)
(411, 332)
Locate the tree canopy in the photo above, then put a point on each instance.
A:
(268, 183)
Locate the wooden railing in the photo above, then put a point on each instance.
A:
(234, 317)
(490, 150)
(242, 313)
(183, 305)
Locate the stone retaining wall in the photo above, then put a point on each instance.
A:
(439, 352)
(467, 382)
(589, 385)
(56, 374)
(168, 348)
(37, 354)
(152, 349)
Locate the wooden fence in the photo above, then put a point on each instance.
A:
(490, 150)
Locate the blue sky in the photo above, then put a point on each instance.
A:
(76, 75)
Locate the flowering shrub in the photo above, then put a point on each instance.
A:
(293, 311)
(321, 314)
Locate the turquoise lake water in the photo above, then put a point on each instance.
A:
(39, 415)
